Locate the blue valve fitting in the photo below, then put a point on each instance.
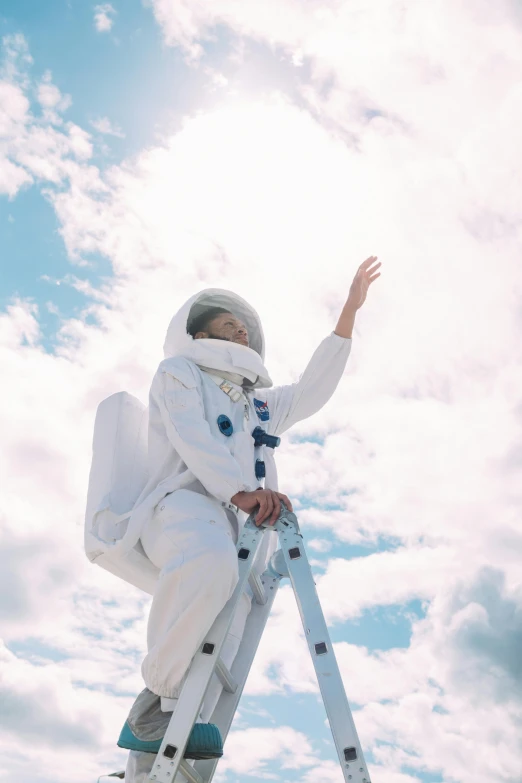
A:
(262, 438)
(260, 469)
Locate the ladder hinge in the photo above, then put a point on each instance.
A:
(226, 679)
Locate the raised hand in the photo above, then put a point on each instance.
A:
(364, 277)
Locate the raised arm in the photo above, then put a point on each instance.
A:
(297, 401)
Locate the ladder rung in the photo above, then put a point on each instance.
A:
(256, 584)
(226, 679)
(189, 772)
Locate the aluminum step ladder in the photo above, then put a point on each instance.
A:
(288, 561)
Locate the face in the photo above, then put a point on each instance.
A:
(226, 326)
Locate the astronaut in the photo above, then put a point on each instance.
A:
(207, 473)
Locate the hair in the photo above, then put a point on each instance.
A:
(201, 323)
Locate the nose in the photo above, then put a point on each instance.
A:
(241, 329)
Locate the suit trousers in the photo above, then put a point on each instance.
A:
(192, 540)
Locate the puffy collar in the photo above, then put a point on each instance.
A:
(220, 355)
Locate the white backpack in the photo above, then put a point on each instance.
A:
(118, 475)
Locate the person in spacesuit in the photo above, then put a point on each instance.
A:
(206, 474)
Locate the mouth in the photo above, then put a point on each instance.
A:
(242, 341)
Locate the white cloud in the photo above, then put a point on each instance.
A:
(42, 708)
(81, 146)
(13, 107)
(249, 750)
(18, 325)
(330, 772)
(16, 58)
(104, 17)
(394, 577)
(105, 126)
(50, 97)
(420, 445)
(37, 148)
(319, 544)
(12, 178)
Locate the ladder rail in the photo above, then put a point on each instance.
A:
(333, 693)
(226, 707)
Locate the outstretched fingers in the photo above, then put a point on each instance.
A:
(373, 269)
(369, 261)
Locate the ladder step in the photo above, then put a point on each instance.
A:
(226, 679)
(189, 772)
(254, 580)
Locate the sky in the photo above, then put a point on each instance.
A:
(150, 150)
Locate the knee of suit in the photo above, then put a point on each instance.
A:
(218, 544)
(215, 563)
(220, 560)
(227, 566)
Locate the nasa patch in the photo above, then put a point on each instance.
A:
(262, 410)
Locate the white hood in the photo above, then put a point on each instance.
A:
(220, 354)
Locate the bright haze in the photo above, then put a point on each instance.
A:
(148, 151)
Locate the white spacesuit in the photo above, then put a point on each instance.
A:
(206, 398)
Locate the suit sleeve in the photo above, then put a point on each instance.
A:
(183, 415)
(297, 401)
